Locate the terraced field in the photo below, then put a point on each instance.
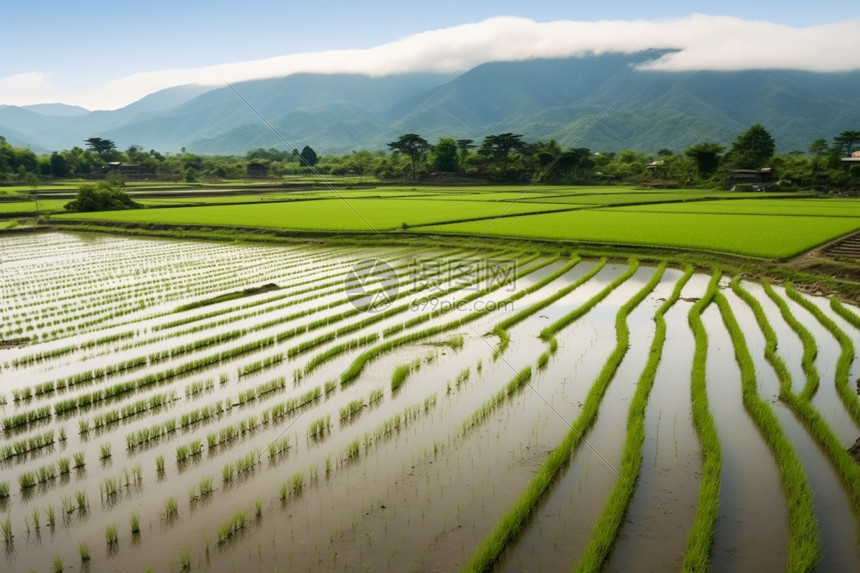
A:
(176, 404)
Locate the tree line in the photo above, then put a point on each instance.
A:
(504, 157)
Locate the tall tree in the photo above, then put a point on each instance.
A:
(752, 149)
(501, 146)
(412, 145)
(99, 145)
(445, 155)
(706, 156)
(844, 142)
(309, 156)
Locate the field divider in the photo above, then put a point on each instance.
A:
(846, 353)
(701, 535)
(804, 535)
(605, 532)
(514, 519)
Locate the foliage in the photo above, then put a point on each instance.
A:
(104, 196)
(753, 149)
(413, 146)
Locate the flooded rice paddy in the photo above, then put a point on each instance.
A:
(205, 406)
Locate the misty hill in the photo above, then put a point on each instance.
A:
(601, 102)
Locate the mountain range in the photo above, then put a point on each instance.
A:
(602, 102)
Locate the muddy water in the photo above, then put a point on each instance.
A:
(663, 506)
(752, 523)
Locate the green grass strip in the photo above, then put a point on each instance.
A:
(843, 311)
(514, 519)
(847, 470)
(810, 348)
(701, 536)
(606, 531)
(846, 354)
(804, 538)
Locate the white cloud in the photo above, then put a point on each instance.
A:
(26, 88)
(701, 42)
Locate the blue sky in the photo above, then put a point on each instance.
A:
(107, 54)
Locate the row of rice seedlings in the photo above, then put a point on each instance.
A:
(375, 395)
(351, 410)
(152, 433)
(185, 451)
(319, 427)
(700, 538)
(501, 329)
(114, 416)
(220, 338)
(522, 270)
(26, 418)
(846, 468)
(397, 421)
(846, 354)
(515, 518)
(258, 365)
(229, 433)
(197, 415)
(198, 387)
(262, 390)
(548, 333)
(232, 526)
(803, 530)
(398, 377)
(810, 348)
(338, 349)
(357, 365)
(26, 445)
(202, 490)
(278, 446)
(245, 464)
(484, 410)
(293, 487)
(44, 474)
(293, 404)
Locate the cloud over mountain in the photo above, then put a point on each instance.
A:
(698, 42)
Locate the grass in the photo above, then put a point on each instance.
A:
(326, 215)
(700, 537)
(761, 236)
(514, 519)
(804, 538)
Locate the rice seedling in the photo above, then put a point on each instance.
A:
(159, 463)
(4, 489)
(111, 533)
(6, 529)
(57, 564)
(134, 521)
(259, 509)
(84, 550)
(352, 450)
(105, 451)
(184, 560)
(26, 480)
(81, 499)
(398, 377)
(79, 460)
(171, 509)
(51, 516)
(63, 466)
(68, 505)
(36, 518)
